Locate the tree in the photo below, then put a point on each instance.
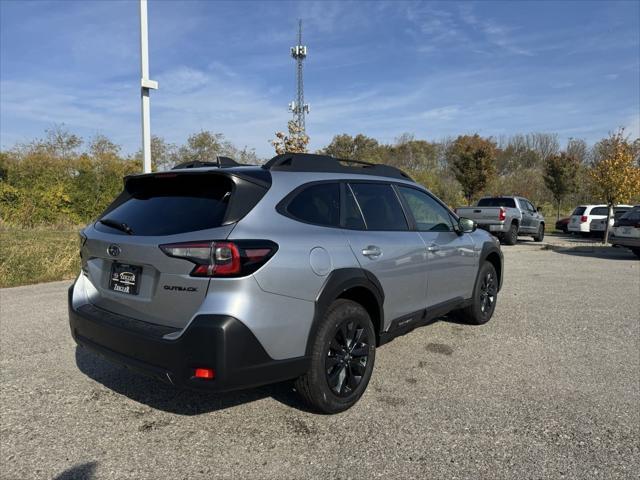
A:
(204, 146)
(472, 160)
(360, 147)
(614, 172)
(560, 176)
(295, 142)
(409, 153)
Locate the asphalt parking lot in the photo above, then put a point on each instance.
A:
(549, 388)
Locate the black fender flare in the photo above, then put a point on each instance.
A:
(338, 282)
(489, 247)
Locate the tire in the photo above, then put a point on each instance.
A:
(538, 237)
(511, 237)
(342, 358)
(636, 252)
(485, 293)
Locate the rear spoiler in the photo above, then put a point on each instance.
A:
(221, 162)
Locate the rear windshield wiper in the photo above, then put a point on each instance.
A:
(123, 227)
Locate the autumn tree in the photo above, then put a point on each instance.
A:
(472, 160)
(614, 172)
(411, 154)
(560, 176)
(360, 147)
(296, 141)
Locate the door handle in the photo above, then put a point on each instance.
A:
(371, 251)
(433, 248)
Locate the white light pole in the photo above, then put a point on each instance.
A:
(146, 85)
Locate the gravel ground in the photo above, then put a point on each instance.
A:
(548, 389)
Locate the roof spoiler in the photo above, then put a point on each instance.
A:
(221, 162)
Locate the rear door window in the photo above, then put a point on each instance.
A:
(318, 204)
(170, 204)
(352, 215)
(497, 202)
(380, 206)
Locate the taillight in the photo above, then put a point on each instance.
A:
(583, 218)
(204, 373)
(502, 215)
(222, 258)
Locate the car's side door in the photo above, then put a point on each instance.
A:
(385, 246)
(452, 263)
(528, 216)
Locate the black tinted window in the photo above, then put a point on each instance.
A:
(352, 217)
(599, 211)
(171, 204)
(579, 211)
(429, 215)
(380, 206)
(497, 202)
(632, 215)
(318, 204)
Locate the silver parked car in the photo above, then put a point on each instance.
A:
(224, 277)
(507, 217)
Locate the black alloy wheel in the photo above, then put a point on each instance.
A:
(347, 357)
(488, 292)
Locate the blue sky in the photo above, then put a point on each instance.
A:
(380, 68)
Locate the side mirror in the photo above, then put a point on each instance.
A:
(466, 225)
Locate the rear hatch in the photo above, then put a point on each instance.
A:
(121, 256)
(576, 217)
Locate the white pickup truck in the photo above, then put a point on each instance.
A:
(506, 218)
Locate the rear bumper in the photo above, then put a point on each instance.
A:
(624, 241)
(211, 341)
(494, 227)
(579, 227)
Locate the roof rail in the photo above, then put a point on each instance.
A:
(308, 162)
(221, 162)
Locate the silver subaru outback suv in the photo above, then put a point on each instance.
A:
(221, 276)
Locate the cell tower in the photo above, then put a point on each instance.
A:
(298, 107)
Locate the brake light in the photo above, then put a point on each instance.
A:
(583, 219)
(206, 373)
(502, 215)
(222, 258)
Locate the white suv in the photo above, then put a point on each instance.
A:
(582, 216)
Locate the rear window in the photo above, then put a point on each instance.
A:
(497, 202)
(632, 215)
(599, 211)
(380, 206)
(619, 212)
(318, 204)
(168, 205)
(579, 211)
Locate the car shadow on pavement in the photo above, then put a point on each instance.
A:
(606, 253)
(82, 471)
(180, 401)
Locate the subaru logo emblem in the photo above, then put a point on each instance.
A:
(114, 250)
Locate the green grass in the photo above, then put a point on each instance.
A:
(37, 255)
